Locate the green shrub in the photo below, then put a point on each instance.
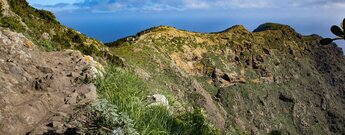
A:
(77, 38)
(275, 132)
(48, 45)
(46, 15)
(12, 23)
(20, 7)
(41, 21)
(112, 118)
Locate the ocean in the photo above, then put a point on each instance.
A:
(108, 27)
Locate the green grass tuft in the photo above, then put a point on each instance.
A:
(127, 95)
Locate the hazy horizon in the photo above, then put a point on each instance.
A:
(109, 20)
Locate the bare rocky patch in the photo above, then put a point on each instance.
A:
(38, 90)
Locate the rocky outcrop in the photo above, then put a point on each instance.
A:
(222, 79)
(5, 8)
(38, 88)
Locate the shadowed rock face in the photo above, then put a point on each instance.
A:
(271, 79)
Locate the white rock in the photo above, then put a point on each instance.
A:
(158, 99)
(45, 36)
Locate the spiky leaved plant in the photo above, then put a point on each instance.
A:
(336, 30)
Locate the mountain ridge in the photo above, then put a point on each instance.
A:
(233, 29)
(274, 58)
(269, 81)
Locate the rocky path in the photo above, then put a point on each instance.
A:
(39, 89)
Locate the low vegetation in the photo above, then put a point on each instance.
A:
(272, 77)
(42, 28)
(12, 23)
(125, 108)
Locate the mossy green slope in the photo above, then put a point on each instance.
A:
(43, 28)
(273, 79)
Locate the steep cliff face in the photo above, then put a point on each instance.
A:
(273, 79)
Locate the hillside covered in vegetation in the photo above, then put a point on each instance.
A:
(55, 80)
(270, 80)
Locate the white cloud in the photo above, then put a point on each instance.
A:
(196, 4)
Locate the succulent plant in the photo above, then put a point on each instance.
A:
(336, 30)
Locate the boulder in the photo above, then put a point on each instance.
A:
(158, 100)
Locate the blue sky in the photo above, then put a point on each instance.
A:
(180, 5)
(108, 20)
